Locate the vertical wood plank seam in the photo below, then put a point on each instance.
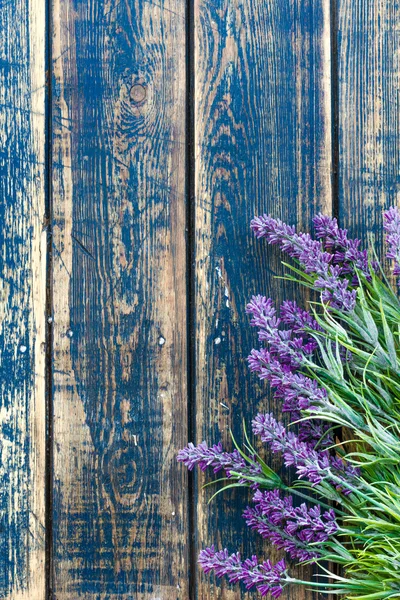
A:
(334, 107)
(335, 138)
(191, 287)
(49, 308)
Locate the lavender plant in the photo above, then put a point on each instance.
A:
(334, 366)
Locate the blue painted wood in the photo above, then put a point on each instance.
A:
(120, 498)
(22, 302)
(368, 112)
(263, 89)
(263, 144)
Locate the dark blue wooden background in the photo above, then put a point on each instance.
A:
(137, 140)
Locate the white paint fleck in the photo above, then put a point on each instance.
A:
(173, 513)
(70, 333)
(50, 320)
(223, 333)
(135, 439)
(217, 341)
(224, 405)
(219, 272)
(23, 349)
(161, 341)
(227, 303)
(216, 323)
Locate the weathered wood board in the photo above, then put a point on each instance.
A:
(119, 293)
(22, 300)
(368, 80)
(262, 144)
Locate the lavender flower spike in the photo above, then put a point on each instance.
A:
(345, 251)
(288, 527)
(298, 391)
(291, 346)
(313, 258)
(265, 577)
(391, 224)
(315, 466)
(298, 245)
(298, 318)
(215, 457)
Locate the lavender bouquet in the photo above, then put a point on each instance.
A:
(335, 368)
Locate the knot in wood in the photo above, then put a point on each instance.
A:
(138, 93)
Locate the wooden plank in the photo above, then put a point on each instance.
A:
(22, 300)
(368, 112)
(120, 406)
(263, 144)
(22, 293)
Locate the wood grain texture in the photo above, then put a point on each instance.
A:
(22, 300)
(119, 286)
(263, 144)
(369, 108)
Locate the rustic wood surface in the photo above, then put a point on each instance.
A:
(23, 241)
(128, 187)
(368, 113)
(262, 144)
(119, 292)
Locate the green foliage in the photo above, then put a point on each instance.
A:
(364, 398)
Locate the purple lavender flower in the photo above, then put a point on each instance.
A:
(297, 391)
(391, 224)
(316, 466)
(280, 361)
(263, 312)
(299, 319)
(288, 527)
(313, 258)
(315, 431)
(270, 431)
(215, 457)
(265, 577)
(290, 346)
(327, 228)
(335, 290)
(298, 245)
(345, 252)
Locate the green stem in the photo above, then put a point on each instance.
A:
(314, 583)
